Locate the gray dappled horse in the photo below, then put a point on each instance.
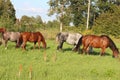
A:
(12, 36)
(70, 38)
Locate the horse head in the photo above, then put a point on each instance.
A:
(2, 30)
(58, 37)
(116, 53)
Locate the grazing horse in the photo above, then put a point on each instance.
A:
(102, 42)
(12, 36)
(70, 38)
(32, 37)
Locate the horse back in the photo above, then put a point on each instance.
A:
(25, 36)
(35, 36)
(31, 36)
(95, 41)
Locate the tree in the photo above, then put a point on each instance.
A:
(88, 14)
(59, 7)
(31, 23)
(52, 24)
(108, 22)
(7, 14)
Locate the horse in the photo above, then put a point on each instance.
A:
(12, 36)
(32, 37)
(70, 38)
(102, 42)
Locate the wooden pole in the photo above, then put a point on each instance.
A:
(88, 15)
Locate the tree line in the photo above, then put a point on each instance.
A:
(104, 16)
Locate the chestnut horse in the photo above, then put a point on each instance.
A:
(32, 37)
(102, 42)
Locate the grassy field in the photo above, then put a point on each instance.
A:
(38, 64)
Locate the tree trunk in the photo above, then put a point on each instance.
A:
(61, 26)
(88, 14)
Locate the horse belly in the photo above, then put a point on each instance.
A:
(33, 39)
(73, 39)
(14, 38)
(70, 40)
(95, 44)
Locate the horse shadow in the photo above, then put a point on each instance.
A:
(67, 49)
(38, 47)
(96, 53)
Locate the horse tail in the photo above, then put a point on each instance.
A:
(78, 44)
(43, 41)
(80, 41)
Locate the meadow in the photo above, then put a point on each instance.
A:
(50, 64)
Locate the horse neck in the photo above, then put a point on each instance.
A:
(44, 44)
(43, 41)
(112, 45)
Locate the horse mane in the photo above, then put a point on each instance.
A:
(112, 44)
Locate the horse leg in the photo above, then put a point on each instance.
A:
(102, 51)
(34, 45)
(17, 43)
(5, 43)
(90, 49)
(76, 48)
(24, 45)
(39, 44)
(60, 45)
(84, 50)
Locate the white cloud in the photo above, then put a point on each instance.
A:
(32, 10)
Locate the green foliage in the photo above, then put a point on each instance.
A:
(31, 23)
(61, 9)
(108, 23)
(78, 9)
(7, 14)
(52, 24)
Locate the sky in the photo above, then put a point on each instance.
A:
(32, 8)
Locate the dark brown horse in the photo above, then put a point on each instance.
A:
(32, 37)
(102, 42)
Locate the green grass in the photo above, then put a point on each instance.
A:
(69, 65)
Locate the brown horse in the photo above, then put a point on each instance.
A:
(102, 42)
(32, 37)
